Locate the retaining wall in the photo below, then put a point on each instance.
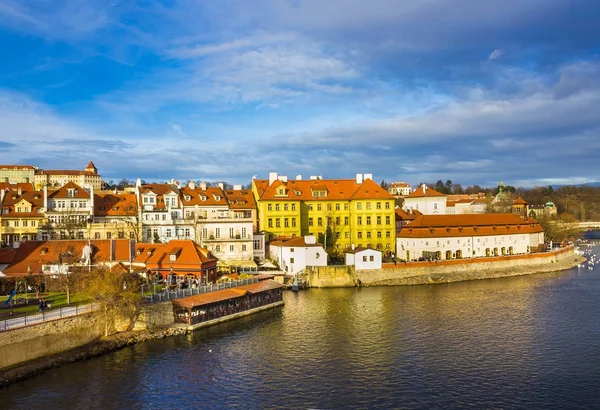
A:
(417, 273)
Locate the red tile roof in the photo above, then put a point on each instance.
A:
(63, 192)
(337, 189)
(209, 194)
(240, 199)
(188, 253)
(8, 186)
(431, 226)
(225, 294)
(424, 191)
(520, 201)
(296, 242)
(109, 204)
(13, 167)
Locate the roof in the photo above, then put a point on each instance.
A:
(197, 194)
(110, 204)
(431, 226)
(361, 249)
(295, 242)
(240, 199)
(399, 185)
(63, 192)
(337, 189)
(34, 254)
(64, 172)
(187, 253)
(13, 167)
(409, 215)
(9, 186)
(520, 201)
(90, 165)
(11, 199)
(225, 294)
(424, 191)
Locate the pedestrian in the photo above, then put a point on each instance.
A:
(41, 305)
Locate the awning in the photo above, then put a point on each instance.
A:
(238, 263)
(268, 265)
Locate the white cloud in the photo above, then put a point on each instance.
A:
(496, 54)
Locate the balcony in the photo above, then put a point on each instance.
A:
(236, 238)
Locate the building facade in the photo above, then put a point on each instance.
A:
(17, 174)
(441, 237)
(21, 214)
(88, 178)
(425, 200)
(348, 212)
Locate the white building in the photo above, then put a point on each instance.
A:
(399, 189)
(161, 212)
(468, 236)
(425, 200)
(363, 258)
(295, 254)
(68, 211)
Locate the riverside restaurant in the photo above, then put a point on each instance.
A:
(213, 307)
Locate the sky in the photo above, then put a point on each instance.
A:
(473, 91)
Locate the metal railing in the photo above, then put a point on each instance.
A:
(45, 316)
(167, 294)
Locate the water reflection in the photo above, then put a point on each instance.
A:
(528, 342)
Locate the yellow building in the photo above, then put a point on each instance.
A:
(17, 174)
(87, 178)
(22, 214)
(357, 211)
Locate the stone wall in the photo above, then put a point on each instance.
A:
(31, 342)
(416, 273)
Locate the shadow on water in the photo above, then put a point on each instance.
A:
(519, 342)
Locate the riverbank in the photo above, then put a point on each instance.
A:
(93, 349)
(445, 271)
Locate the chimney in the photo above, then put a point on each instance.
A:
(203, 186)
(424, 186)
(16, 244)
(352, 246)
(221, 185)
(298, 177)
(313, 177)
(138, 182)
(272, 177)
(369, 176)
(2, 193)
(192, 185)
(92, 198)
(359, 178)
(237, 187)
(282, 178)
(19, 191)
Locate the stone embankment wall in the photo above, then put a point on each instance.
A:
(418, 273)
(31, 342)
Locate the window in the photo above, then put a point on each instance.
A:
(359, 205)
(293, 207)
(292, 249)
(291, 260)
(270, 223)
(329, 207)
(257, 245)
(204, 233)
(346, 206)
(293, 222)
(319, 207)
(244, 233)
(345, 220)
(364, 258)
(434, 206)
(337, 207)
(277, 207)
(108, 235)
(368, 220)
(388, 234)
(16, 223)
(320, 221)
(369, 234)
(378, 205)
(231, 233)
(379, 234)
(285, 207)
(337, 220)
(359, 220)
(286, 222)
(346, 235)
(243, 247)
(231, 248)
(217, 233)
(168, 233)
(218, 248)
(387, 205)
(277, 223)
(310, 222)
(378, 220)
(269, 207)
(310, 207)
(359, 235)
(368, 205)
(387, 220)
(187, 232)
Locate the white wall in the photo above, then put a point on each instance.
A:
(361, 263)
(426, 205)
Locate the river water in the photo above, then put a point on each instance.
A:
(523, 342)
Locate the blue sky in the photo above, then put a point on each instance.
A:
(408, 90)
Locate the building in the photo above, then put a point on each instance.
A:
(17, 174)
(160, 212)
(466, 206)
(547, 210)
(364, 258)
(115, 217)
(425, 200)
(294, 254)
(68, 211)
(184, 259)
(399, 189)
(468, 236)
(345, 211)
(21, 213)
(403, 218)
(520, 207)
(88, 178)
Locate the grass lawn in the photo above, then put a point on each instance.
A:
(54, 299)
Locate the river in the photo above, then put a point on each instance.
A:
(522, 342)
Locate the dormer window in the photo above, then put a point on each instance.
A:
(188, 198)
(202, 198)
(217, 198)
(172, 257)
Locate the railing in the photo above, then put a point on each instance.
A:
(50, 314)
(167, 294)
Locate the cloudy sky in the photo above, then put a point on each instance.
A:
(408, 90)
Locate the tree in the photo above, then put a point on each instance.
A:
(448, 187)
(117, 294)
(384, 185)
(563, 228)
(439, 186)
(457, 189)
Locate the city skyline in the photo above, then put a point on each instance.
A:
(408, 91)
